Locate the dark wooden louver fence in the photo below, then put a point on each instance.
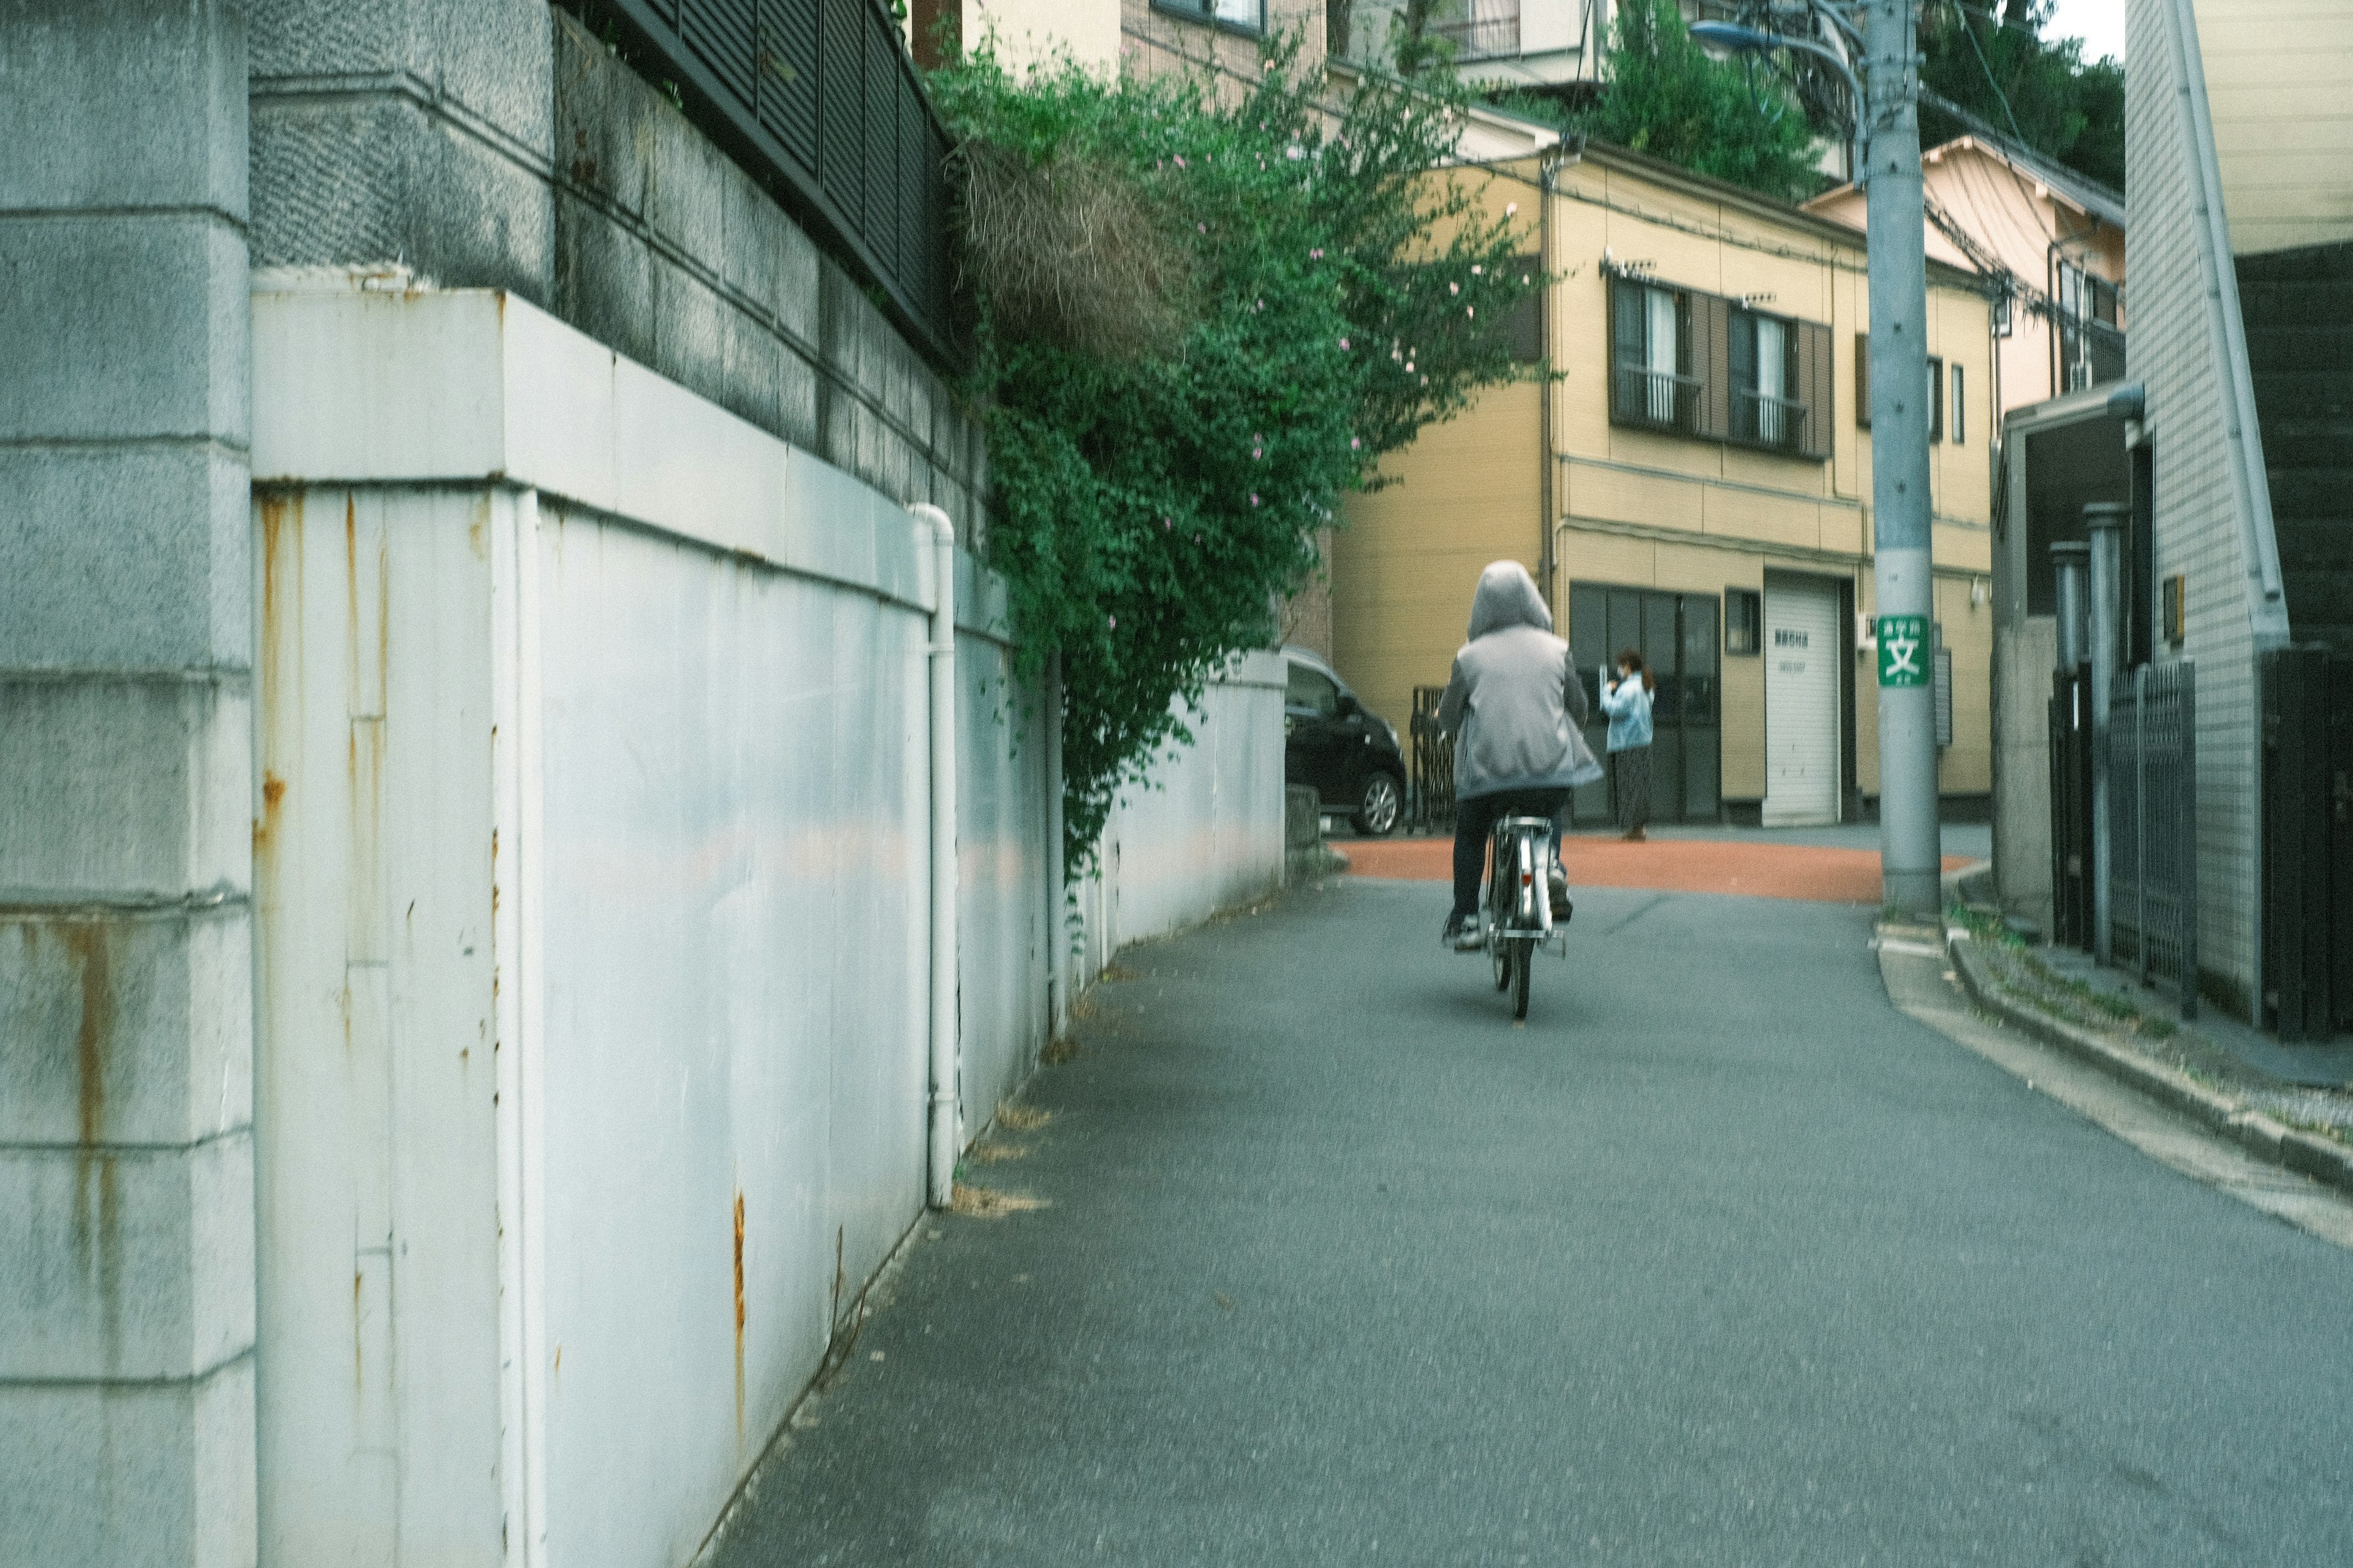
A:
(820, 98)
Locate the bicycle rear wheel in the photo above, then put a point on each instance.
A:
(1502, 951)
(1524, 949)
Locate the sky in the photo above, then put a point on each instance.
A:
(2099, 23)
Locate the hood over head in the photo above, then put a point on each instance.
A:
(1507, 597)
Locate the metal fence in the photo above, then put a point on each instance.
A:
(2151, 764)
(1432, 807)
(819, 99)
(2307, 842)
(2071, 809)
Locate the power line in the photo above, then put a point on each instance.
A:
(1986, 65)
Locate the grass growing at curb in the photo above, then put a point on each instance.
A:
(2061, 995)
(2020, 976)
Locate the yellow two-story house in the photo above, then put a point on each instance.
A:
(1694, 483)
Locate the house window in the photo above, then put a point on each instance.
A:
(1766, 406)
(1958, 428)
(1246, 16)
(1744, 621)
(1936, 388)
(1651, 381)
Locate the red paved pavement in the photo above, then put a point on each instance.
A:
(1676, 865)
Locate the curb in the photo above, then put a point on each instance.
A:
(2306, 1153)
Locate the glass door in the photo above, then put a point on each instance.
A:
(1676, 634)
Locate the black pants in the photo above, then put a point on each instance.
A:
(1476, 818)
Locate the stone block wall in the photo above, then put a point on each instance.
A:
(499, 143)
(126, 600)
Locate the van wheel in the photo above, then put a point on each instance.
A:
(1378, 805)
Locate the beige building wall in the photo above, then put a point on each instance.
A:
(1027, 32)
(2016, 218)
(1637, 508)
(1404, 565)
(2277, 73)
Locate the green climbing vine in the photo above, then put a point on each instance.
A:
(1205, 310)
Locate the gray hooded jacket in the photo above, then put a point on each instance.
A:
(1514, 701)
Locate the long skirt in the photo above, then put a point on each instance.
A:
(1631, 771)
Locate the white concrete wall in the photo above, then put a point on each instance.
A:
(592, 874)
(1206, 833)
(1005, 821)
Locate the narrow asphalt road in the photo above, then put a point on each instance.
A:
(1719, 1259)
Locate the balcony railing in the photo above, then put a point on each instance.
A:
(818, 100)
(1769, 421)
(1658, 399)
(1489, 27)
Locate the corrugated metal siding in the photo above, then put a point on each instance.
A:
(2199, 531)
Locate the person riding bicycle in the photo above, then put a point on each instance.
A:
(1513, 704)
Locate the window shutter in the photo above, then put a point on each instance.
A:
(1626, 341)
(1710, 363)
(1818, 385)
(1936, 398)
(1742, 363)
(1862, 381)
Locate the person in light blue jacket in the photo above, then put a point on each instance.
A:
(1626, 697)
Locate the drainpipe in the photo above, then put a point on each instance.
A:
(1058, 936)
(2104, 521)
(1549, 524)
(946, 1140)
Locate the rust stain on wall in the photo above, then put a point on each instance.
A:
(282, 571)
(89, 947)
(739, 1314)
(87, 944)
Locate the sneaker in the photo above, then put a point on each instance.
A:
(1558, 886)
(1461, 932)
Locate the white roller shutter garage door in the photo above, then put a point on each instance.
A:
(1801, 700)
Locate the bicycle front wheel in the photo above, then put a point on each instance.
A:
(1523, 949)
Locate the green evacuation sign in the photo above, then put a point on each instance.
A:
(1903, 651)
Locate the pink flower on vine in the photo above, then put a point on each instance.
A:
(1257, 454)
(1476, 270)
(1354, 442)
(1511, 209)
(1253, 498)
(1316, 253)
(1454, 287)
(1343, 346)
(1180, 161)
(1114, 623)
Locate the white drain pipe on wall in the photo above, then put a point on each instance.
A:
(946, 1140)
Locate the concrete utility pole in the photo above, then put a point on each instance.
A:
(1910, 851)
(1887, 166)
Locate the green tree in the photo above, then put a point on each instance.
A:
(1731, 120)
(2037, 90)
(1200, 323)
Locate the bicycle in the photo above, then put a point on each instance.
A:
(1519, 903)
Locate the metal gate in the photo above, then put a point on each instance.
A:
(2071, 809)
(1433, 766)
(2152, 776)
(2308, 858)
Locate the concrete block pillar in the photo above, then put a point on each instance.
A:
(126, 788)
